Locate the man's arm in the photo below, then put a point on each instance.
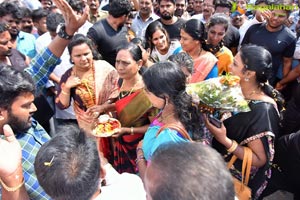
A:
(12, 181)
(44, 63)
(292, 75)
(287, 66)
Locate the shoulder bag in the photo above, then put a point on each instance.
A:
(242, 191)
(177, 128)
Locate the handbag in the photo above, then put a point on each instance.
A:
(242, 191)
(177, 128)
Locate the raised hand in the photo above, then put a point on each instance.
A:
(10, 153)
(72, 20)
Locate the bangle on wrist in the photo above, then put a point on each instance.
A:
(139, 149)
(139, 158)
(65, 93)
(233, 146)
(131, 131)
(11, 189)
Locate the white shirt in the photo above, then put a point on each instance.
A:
(297, 50)
(199, 17)
(123, 186)
(175, 47)
(246, 25)
(139, 26)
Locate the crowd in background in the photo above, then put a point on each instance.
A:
(64, 63)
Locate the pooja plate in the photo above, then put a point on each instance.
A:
(106, 126)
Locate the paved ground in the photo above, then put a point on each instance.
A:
(280, 195)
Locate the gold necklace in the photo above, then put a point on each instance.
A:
(166, 117)
(127, 93)
(198, 55)
(252, 93)
(89, 88)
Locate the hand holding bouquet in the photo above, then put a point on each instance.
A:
(222, 93)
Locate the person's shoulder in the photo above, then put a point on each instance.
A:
(97, 29)
(130, 187)
(36, 131)
(44, 39)
(181, 21)
(44, 36)
(256, 27)
(175, 43)
(233, 29)
(290, 34)
(197, 16)
(26, 36)
(209, 56)
(18, 53)
(99, 23)
(295, 14)
(263, 105)
(154, 16)
(85, 28)
(225, 52)
(102, 12)
(104, 66)
(131, 178)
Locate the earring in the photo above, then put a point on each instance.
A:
(246, 79)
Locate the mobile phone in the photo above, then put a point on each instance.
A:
(216, 122)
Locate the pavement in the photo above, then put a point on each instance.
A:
(280, 195)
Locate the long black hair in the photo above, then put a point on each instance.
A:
(151, 29)
(196, 29)
(79, 39)
(258, 59)
(166, 79)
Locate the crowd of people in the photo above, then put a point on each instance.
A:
(65, 63)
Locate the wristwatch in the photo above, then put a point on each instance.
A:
(62, 32)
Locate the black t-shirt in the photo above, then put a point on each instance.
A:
(280, 44)
(17, 60)
(232, 37)
(107, 39)
(174, 29)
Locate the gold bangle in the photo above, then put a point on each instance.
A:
(131, 131)
(65, 93)
(233, 146)
(11, 189)
(139, 158)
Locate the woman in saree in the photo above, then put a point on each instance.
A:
(257, 128)
(89, 82)
(178, 120)
(192, 38)
(133, 108)
(216, 30)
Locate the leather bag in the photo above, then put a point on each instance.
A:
(242, 191)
